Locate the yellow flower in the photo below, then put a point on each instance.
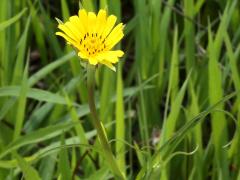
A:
(94, 36)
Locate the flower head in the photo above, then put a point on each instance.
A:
(93, 36)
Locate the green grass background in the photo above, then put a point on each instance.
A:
(171, 111)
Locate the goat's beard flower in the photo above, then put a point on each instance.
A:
(93, 36)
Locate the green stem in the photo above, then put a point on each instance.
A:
(99, 127)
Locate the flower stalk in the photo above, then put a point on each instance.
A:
(99, 127)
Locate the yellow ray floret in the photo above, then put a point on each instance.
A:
(94, 36)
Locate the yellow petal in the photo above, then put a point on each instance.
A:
(78, 24)
(113, 60)
(68, 39)
(109, 65)
(111, 56)
(117, 30)
(66, 30)
(82, 55)
(115, 36)
(76, 33)
(111, 20)
(93, 61)
(112, 43)
(101, 21)
(91, 22)
(83, 18)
